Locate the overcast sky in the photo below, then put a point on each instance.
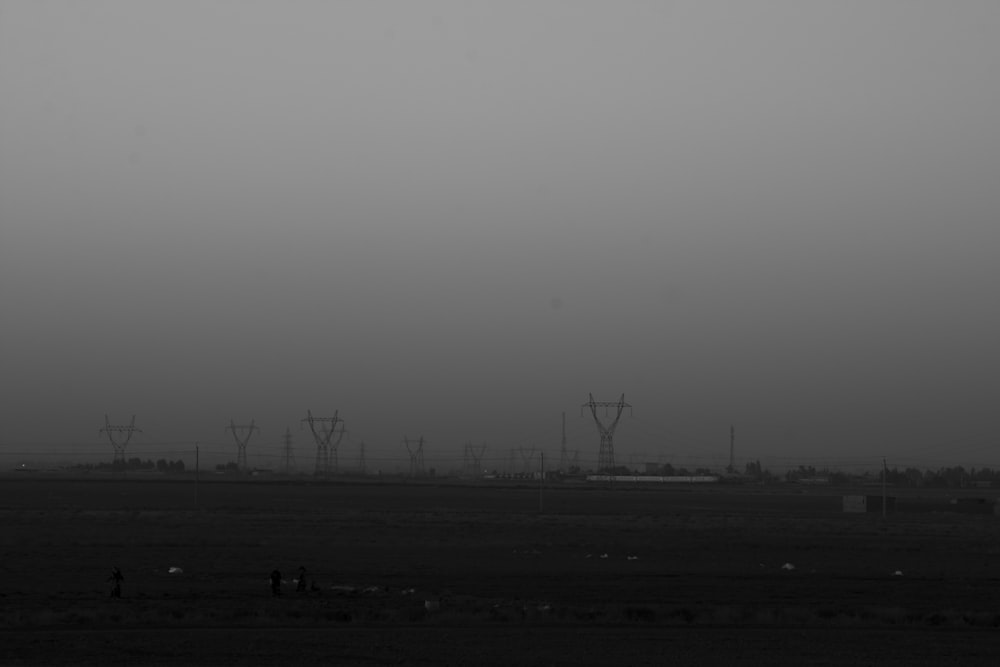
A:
(458, 219)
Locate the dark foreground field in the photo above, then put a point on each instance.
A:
(439, 574)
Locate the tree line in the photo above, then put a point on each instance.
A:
(135, 464)
(947, 477)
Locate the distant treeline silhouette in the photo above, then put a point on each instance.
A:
(135, 463)
(947, 477)
(954, 477)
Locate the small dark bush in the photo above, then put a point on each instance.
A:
(640, 614)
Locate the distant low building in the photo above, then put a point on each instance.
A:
(862, 504)
(813, 480)
(655, 479)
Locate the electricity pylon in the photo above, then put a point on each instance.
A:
(242, 433)
(527, 453)
(118, 463)
(325, 442)
(416, 451)
(606, 454)
(474, 459)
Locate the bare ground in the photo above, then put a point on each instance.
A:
(634, 576)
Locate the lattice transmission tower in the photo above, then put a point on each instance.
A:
(606, 454)
(118, 463)
(527, 454)
(327, 439)
(474, 459)
(416, 451)
(241, 434)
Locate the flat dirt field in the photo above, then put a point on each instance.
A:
(451, 574)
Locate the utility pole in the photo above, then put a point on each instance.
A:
(606, 454)
(467, 466)
(885, 474)
(563, 454)
(241, 433)
(541, 481)
(197, 476)
(118, 463)
(732, 449)
(325, 442)
(287, 448)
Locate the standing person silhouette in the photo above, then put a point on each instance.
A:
(276, 582)
(301, 587)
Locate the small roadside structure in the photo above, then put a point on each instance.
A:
(862, 504)
(974, 506)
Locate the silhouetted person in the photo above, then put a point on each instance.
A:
(116, 580)
(275, 583)
(301, 587)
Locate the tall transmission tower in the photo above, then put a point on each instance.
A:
(326, 444)
(286, 442)
(416, 451)
(606, 454)
(527, 453)
(474, 459)
(118, 463)
(241, 433)
(563, 454)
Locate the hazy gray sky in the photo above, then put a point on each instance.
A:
(457, 219)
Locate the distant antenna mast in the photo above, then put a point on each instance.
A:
(118, 463)
(241, 433)
(325, 442)
(606, 454)
(416, 451)
(287, 448)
